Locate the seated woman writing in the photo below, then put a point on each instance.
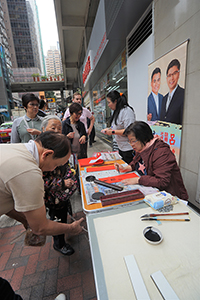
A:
(154, 161)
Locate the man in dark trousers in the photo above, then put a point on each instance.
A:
(172, 103)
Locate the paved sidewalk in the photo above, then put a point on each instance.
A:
(41, 273)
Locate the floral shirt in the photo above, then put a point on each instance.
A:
(56, 193)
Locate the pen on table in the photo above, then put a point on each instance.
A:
(75, 220)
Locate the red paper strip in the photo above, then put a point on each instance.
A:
(103, 168)
(85, 162)
(119, 178)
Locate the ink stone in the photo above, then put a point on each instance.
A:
(152, 236)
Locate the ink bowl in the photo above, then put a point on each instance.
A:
(152, 235)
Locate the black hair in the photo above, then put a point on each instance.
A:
(155, 71)
(75, 108)
(28, 98)
(141, 131)
(174, 62)
(121, 103)
(42, 104)
(55, 141)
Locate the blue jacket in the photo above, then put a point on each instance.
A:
(152, 107)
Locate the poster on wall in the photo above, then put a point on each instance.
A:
(166, 92)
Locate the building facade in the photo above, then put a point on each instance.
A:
(23, 29)
(21, 34)
(6, 101)
(146, 31)
(53, 62)
(41, 58)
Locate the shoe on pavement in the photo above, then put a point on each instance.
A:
(60, 297)
(65, 250)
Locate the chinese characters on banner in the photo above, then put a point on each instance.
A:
(170, 134)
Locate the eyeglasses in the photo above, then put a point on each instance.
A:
(133, 142)
(34, 104)
(173, 74)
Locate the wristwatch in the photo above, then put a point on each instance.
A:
(113, 131)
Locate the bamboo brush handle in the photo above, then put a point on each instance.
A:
(170, 214)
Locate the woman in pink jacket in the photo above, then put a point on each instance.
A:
(154, 161)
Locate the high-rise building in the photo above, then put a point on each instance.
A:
(9, 33)
(21, 33)
(4, 42)
(38, 35)
(34, 40)
(23, 29)
(53, 62)
(6, 101)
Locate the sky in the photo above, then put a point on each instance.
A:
(48, 24)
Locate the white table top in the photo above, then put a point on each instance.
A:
(117, 233)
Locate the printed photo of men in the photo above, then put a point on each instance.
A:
(172, 103)
(154, 99)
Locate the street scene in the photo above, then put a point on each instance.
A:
(99, 152)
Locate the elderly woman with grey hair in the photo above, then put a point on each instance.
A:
(59, 186)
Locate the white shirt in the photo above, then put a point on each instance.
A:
(32, 148)
(169, 98)
(125, 118)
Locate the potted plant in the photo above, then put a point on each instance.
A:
(38, 76)
(55, 76)
(34, 76)
(44, 78)
(50, 77)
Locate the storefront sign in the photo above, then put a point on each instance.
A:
(96, 44)
(100, 50)
(51, 100)
(87, 70)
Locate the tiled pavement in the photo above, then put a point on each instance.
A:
(41, 273)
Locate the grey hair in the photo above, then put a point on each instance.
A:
(46, 119)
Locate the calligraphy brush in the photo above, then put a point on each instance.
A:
(164, 214)
(155, 219)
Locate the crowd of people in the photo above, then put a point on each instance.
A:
(35, 174)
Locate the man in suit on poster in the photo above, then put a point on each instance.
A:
(154, 99)
(172, 104)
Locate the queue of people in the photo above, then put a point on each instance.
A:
(35, 174)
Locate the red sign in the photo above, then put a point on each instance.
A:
(87, 69)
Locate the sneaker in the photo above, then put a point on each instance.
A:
(65, 250)
(60, 297)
